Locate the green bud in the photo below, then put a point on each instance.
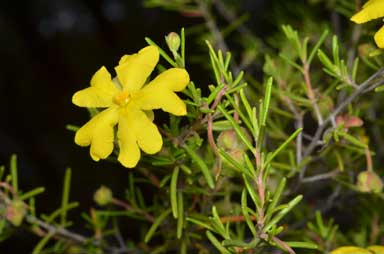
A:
(369, 181)
(103, 196)
(173, 41)
(228, 140)
(15, 212)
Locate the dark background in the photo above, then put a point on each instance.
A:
(49, 49)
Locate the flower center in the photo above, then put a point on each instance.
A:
(122, 98)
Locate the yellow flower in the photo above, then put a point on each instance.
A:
(377, 249)
(374, 249)
(129, 105)
(350, 250)
(371, 10)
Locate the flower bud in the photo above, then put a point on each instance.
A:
(349, 121)
(103, 196)
(369, 181)
(15, 212)
(228, 140)
(173, 41)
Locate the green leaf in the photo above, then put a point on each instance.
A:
(182, 45)
(282, 213)
(59, 212)
(267, 99)
(162, 52)
(201, 165)
(216, 243)
(252, 193)
(352, 139)
(180, 218)
(200, 223)
(282, 146)
(305, 245)
(237, 128)
(244, 209)
(14, 176)
(317, 46)
(276, 196)
(32, 193)
(156, 224)
(173, 191)
(65, 195)
(41, 244)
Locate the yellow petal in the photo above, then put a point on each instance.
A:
(371, 10)
(379, 37)
(175, 79)
(350, 250)
(98, 133)
(133, 70)
(159, 93)
(99, 94)
(377, 249)
(129, 154)
(136, 130)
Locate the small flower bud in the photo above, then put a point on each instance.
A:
(228, 140)
(369, 181)
(349, 121)
(173, 41)
(15, 212)
(103, 196)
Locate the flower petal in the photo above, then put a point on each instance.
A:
(379, 37)
(100, 94)
(136, 130)
(159, 92)
(371, 10)
(133, 70)
(175, 79)
(98, 132)
(350, 250)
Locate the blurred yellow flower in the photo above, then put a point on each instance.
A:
(371, 10)
(129, 105)
(350, 250)
(373, 249)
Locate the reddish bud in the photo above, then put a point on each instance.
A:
(15, 212)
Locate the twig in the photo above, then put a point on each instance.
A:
(311, 94)
(235, 218)
(361, 89)
(319, 177)
(211, 140)
(130, 208)
(59, 230)
(283, 245)
(299, 139)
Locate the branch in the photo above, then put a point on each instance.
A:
(366, 86)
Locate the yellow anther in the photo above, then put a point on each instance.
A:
(122, 98)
